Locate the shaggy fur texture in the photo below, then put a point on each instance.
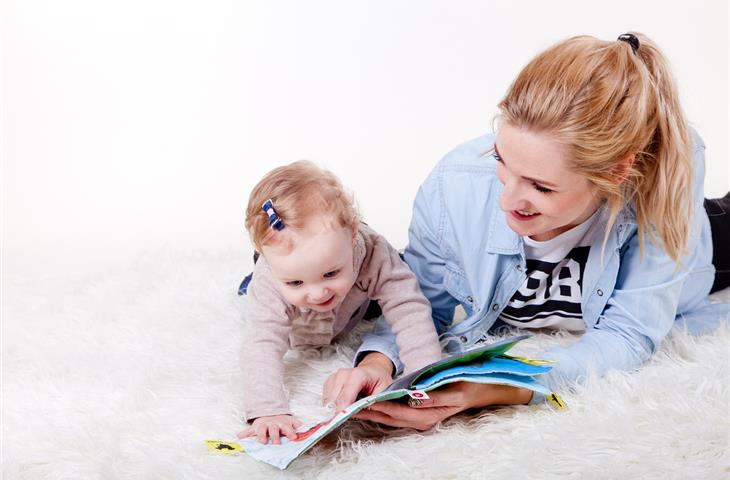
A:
(124, 374)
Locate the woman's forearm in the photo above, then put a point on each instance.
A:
(481, 395)
(378, 360)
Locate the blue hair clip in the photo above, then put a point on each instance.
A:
(275, 221)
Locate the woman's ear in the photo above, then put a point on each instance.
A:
(622, 169)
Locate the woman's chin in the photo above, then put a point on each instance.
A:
(520, 228)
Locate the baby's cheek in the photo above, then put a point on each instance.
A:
(293, 298)
(344, 286)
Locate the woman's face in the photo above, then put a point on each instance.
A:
(542, 198)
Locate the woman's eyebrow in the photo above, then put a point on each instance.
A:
(541, 182)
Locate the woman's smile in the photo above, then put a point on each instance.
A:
(523, 216)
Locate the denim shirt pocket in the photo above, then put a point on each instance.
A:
(456, 284)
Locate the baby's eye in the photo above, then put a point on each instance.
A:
(331, 274)
(294, 283)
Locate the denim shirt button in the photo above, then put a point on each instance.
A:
(519, 268)
(470, 299)
(463, 338)
(599, 292)
(495, 307)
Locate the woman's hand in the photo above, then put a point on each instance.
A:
(372, 375)
(443, 403)
(272, 427)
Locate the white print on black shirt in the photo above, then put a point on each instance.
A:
(551, 293)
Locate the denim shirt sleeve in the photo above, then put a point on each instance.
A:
(641, 308)
(424, 253)
(382, 340)
(424, 256)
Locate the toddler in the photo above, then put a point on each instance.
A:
(318, 271)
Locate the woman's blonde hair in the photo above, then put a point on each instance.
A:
(298, 191)
(604, 101)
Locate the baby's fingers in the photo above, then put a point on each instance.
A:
(274, 434)
(262, 434)
(248, 432)
(290, 431)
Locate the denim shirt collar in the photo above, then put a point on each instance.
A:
(625, 220)
(502, 239)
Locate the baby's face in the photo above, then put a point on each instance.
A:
(317, 272)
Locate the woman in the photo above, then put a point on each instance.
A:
(584, 212)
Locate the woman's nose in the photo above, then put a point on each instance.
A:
(511, 197)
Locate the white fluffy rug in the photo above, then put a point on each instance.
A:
(124, 374)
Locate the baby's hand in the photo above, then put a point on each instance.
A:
(270, 427)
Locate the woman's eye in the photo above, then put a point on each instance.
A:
(536, 186)
(294, 283)
(541, 189)
(331, 274)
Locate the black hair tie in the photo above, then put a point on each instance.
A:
(631, 39)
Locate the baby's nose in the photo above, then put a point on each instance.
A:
(319, 295)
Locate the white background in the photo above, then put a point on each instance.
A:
(132, 125)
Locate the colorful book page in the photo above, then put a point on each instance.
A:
(481, 365)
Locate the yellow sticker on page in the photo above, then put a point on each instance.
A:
(554, 399)
(224, 448)
(532, 361)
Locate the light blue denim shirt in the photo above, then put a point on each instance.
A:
(463, 252)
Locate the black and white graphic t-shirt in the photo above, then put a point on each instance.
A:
(551, 295)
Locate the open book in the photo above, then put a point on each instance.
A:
(487, 364)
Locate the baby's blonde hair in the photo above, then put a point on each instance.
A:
(298, 191)
(603, 102)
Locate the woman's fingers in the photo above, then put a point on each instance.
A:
(333, 387)
(442, 398)
(397, 415)
(348, 394)
(343, 386)
(385, 419)
(404, 412)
